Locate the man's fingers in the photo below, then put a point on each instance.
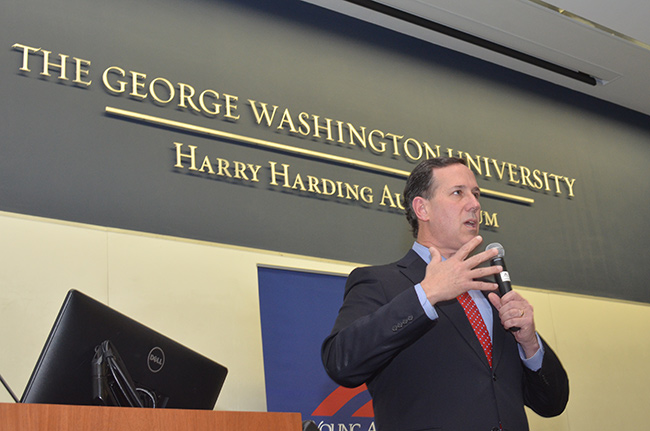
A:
(513, 296)
(495, 300)
(485, 271)
(435, 255)
(482, 285)
(468, 247)
(483, 256)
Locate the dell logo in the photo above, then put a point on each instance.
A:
(156, 359)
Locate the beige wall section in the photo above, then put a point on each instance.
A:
(201, 295)
(605, 348)
(205, 296)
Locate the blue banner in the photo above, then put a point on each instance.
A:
(297, 311)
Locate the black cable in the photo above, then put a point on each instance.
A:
(6, 385)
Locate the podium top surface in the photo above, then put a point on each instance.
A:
(38, 417)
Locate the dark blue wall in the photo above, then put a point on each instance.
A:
(65, 158)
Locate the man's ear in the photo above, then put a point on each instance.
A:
(421, 208)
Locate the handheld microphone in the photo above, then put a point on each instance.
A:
(503, 278)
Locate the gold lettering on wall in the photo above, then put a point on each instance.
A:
(220, 105)
(61, 65)
(282, 176)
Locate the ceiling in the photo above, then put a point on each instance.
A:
(603, 39)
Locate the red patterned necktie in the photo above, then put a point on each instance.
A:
(474, 316)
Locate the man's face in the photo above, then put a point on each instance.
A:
(453, 210)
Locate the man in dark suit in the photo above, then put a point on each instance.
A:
(404, 328)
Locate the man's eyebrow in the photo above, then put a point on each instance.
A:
(464, 187)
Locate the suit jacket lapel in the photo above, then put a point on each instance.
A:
(414, 268)
(456, 315)
(498, 337)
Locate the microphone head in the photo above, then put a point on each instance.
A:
(499, 248)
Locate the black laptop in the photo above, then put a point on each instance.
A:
(95, 355)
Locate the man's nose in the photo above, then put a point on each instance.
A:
(474, 204)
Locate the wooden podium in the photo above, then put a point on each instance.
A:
(50, 417)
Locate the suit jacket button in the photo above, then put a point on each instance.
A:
(494, 377)
(495, 429)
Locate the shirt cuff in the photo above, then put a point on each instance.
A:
(426, 305)
(534, 363)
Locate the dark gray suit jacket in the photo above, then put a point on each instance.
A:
(425, 374)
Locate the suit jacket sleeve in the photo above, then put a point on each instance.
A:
(546, 391)
(376, 321)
